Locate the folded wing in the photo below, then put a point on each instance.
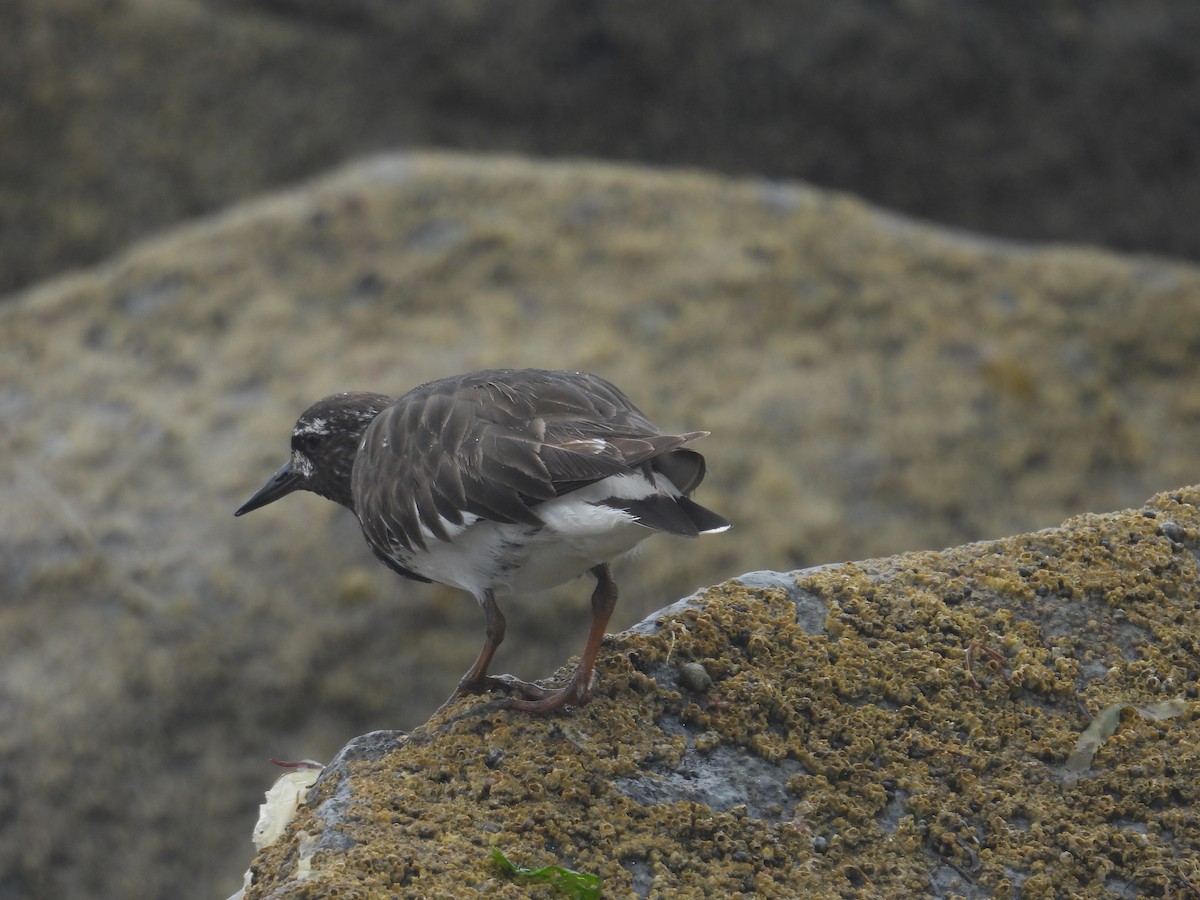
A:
(495, 444)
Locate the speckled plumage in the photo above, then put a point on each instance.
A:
(500, 482)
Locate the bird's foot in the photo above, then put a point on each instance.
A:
(532, 698)
(509, 684)
(577, 692)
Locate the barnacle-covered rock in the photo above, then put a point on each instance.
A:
(919, 740)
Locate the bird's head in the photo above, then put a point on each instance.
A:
(324, 444)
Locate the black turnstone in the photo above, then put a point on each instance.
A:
(501, 482)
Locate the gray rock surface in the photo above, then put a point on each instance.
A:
(872, 386)
(1048, 121)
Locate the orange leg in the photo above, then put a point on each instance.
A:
(579, 689)
(477, 680)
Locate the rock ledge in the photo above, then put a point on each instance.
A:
(893, 727)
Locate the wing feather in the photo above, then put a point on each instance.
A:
(496, 444)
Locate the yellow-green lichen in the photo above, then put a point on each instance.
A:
(898, 753)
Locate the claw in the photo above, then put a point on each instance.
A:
(575, 693)
(509, 684)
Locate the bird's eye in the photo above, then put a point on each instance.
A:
(305, 441)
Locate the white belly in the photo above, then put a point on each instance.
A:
(578, 535)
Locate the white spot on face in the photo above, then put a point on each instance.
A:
(302, 465)
(316, 426)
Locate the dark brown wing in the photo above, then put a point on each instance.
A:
(496, 444)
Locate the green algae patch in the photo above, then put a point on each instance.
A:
(572, 884)
(889, 727)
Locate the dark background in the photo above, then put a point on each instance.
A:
(1041, 121)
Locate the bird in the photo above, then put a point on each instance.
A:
(501, 482)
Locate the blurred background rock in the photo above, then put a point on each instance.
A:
(873, 384)
(1049, 121)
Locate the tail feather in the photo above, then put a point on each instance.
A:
(707, 521)
(684, 468)
(673, 515)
